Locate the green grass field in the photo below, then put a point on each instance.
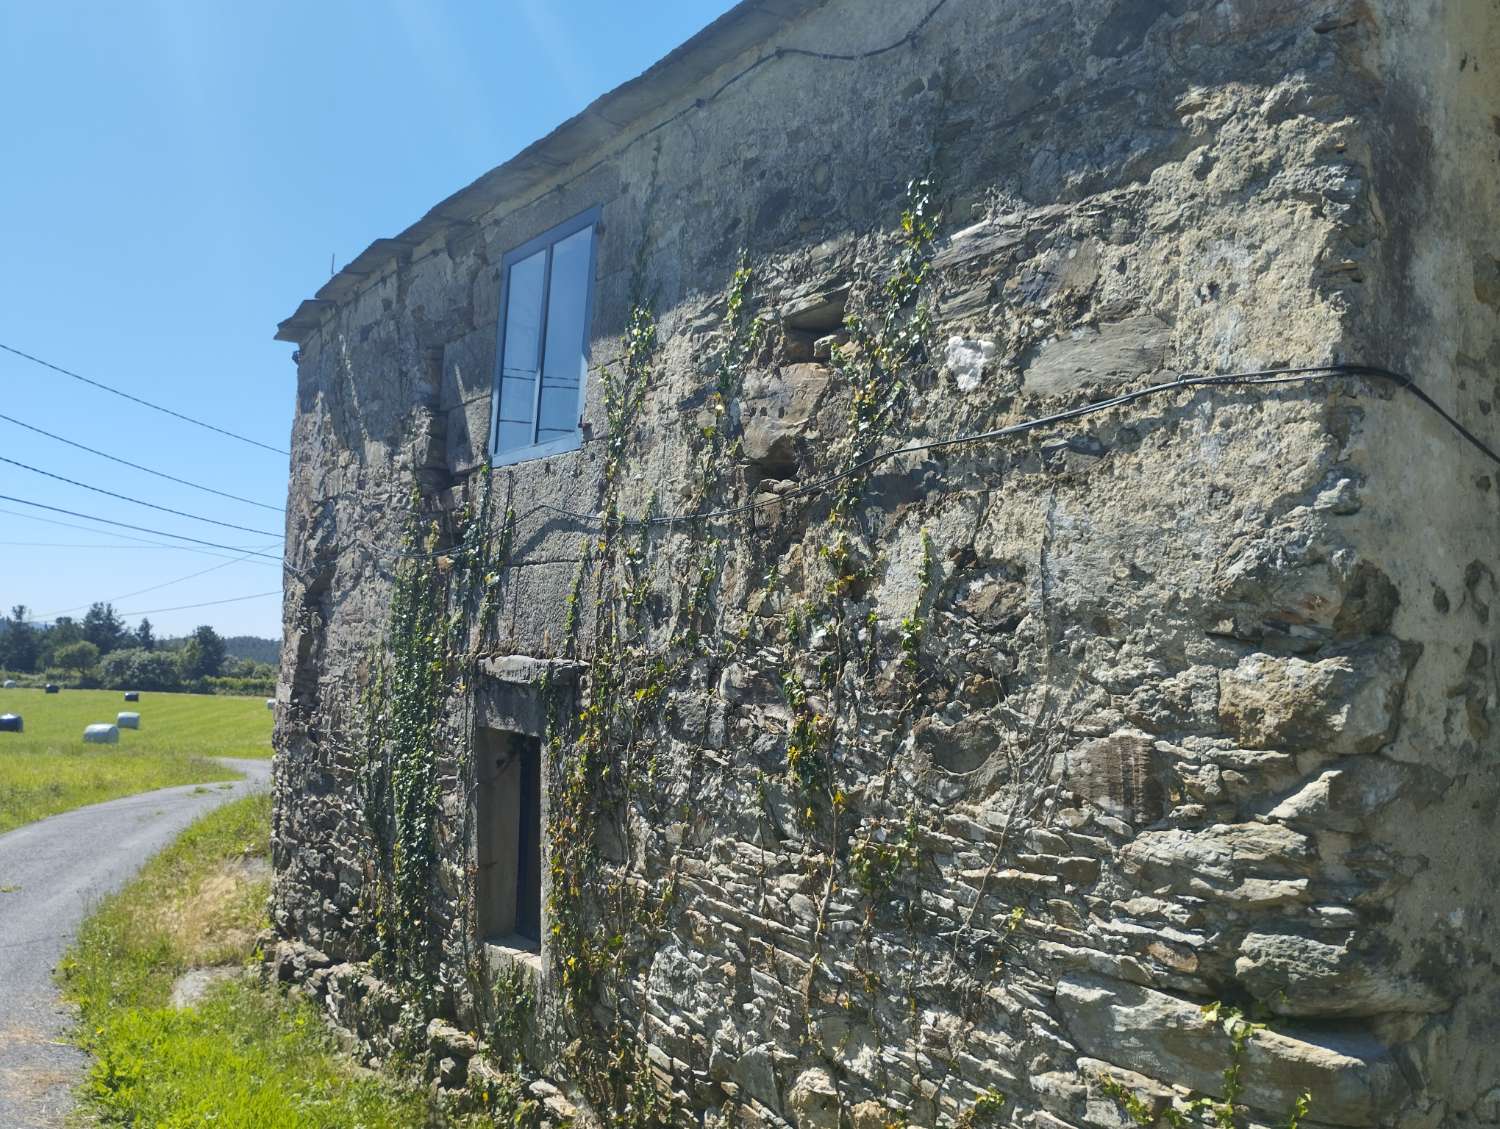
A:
(244, 1056)
(48, 769)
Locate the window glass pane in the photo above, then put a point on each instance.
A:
(512, 436)
(523, 338)
(567, 307)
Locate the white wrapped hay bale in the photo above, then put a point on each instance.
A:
(128, 720)
(11, 723)
(102, 734)
(10, 683)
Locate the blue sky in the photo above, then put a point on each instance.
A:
(175, 176)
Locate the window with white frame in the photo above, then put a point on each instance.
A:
(545, 305)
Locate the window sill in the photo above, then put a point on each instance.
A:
(540, 451)
(513, 954)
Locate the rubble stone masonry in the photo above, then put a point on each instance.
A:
(1141, 767)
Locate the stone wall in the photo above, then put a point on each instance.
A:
(992, 768)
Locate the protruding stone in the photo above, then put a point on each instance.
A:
(814, 1100)
(1254, 865)
(1346, 703)
(1121, 774)
(776, 411)
(1115, 351)
(446, 1041)
(1296, 974)
(1354, 1080)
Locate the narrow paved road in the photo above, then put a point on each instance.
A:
(52, 873)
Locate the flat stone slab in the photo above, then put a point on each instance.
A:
(1112, 353)
(1168, 1039)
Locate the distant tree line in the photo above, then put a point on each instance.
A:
(101, 651)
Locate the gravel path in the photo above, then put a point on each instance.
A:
(52, 873)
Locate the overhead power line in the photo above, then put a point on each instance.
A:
(137, 528)
(101, 545)
(137, 466)
(208, 604)
(137, 501)
(144, 403)
(139, 542)
(158, 587)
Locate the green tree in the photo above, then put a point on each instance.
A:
(203, 655)
(64, 630)
(136, 669)
(18, 646)
(145, 639)
(103, 628)
(77, 657)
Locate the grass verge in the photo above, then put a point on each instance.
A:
(48, 769)
(244, 1056)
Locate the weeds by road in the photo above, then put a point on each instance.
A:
(48, 769)
(243, 1056)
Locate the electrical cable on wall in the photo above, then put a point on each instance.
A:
(1252, 378)
(1284, 375)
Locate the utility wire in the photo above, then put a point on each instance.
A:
(137, 466)
(1258, 377)
(100, 545)
(141, 542)
(1285, 375)
(137, 528)
(138, 400)
(158, 587)
(208, 604)
(1241, 379)
(137, 501)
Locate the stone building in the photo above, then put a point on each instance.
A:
(696, 709)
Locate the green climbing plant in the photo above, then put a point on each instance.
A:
(398, 773)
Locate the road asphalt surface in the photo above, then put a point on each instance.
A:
(52, 874)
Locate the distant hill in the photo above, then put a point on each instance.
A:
(253, 647)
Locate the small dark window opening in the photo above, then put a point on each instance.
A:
(529, 855)
(509, 779)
